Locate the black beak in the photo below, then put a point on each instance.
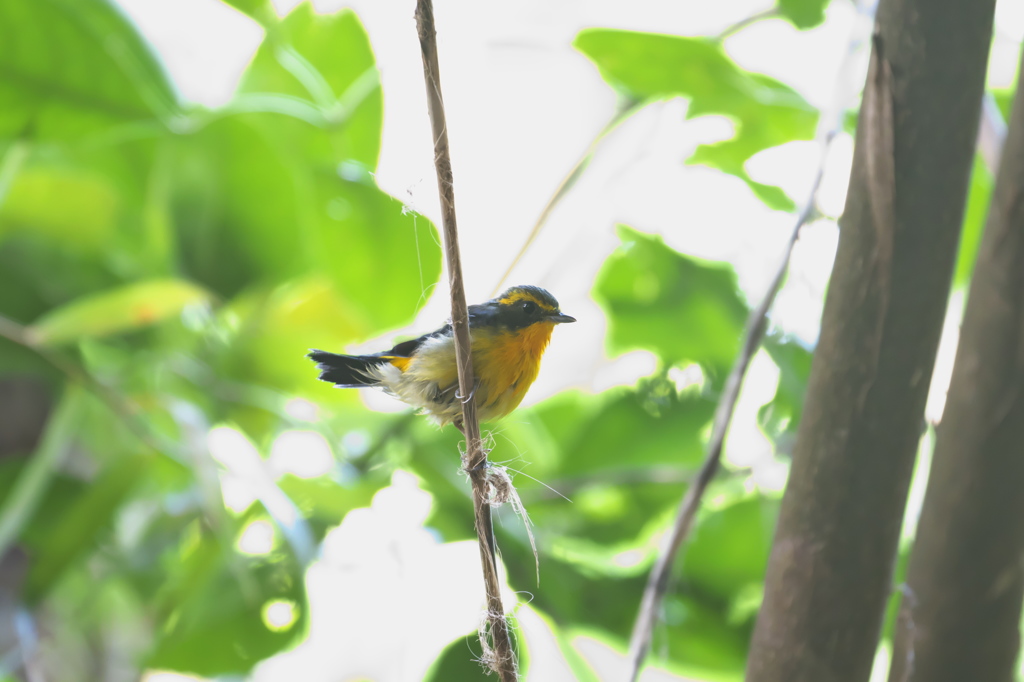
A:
(560, 318)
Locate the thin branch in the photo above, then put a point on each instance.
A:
(657, 583)
(770, 13)
(757, 323)
(499, 656)
(624, 110)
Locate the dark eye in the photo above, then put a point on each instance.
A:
(528, 307)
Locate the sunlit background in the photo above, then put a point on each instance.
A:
(326, 481)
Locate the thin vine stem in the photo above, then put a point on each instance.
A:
(499, 654)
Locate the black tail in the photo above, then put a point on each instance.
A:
(344, 371)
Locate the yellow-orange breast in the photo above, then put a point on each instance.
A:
(506, 364)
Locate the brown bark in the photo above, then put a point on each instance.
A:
(830, 570)
(966, 573)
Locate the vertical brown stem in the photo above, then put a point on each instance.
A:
(500, 656)
(966, 576)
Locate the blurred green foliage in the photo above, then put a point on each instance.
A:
(186, 259)
(803, 14)
(766, 113)
(165, 267)
(648, 289)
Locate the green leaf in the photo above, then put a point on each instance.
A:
(89, 217)
(326, 58)
(117, 310)
(369, 237)
(260, 10)
(648, 66)
(701, 641)
(281, 326)
(460, 660)
(729, 548)
(81, 526)
(214, 605)
(83, 219)
(271, 197)
(325, 501)
(781, 417)
(622, 457)
(22, 501)
(253, 209)
(803, 14)
(239, 203)
(73, 67)
(656, 430)
(682, 308)
(772, 196)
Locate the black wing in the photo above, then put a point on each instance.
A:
(352, 371)
(407, 349)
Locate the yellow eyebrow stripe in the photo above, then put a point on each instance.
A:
(524, 296)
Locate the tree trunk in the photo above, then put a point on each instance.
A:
(966, 575)
(830, 570)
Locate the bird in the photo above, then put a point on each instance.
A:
(509, 334)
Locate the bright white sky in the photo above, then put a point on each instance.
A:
(523, 105)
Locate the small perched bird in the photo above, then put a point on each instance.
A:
(509, 334)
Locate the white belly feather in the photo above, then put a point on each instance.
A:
(418, 385)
